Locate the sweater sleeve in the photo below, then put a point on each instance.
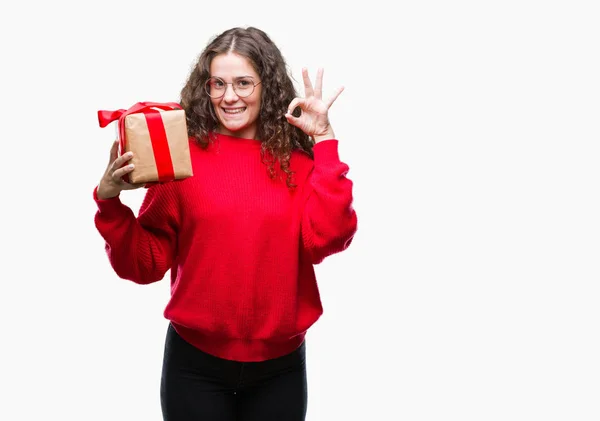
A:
(329, 221)
(140, 249)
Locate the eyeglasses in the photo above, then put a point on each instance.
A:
(243, 86)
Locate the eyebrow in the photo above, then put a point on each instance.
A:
(235, 78)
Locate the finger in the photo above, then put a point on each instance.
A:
(337, 93)
(118, 163)
(292, 120)
(308, 88)
(116, 175)
(296, 102)
(319, 83)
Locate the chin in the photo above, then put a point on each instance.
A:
(233, 125)
(233, 128)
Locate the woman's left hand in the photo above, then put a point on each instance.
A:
(314, 120)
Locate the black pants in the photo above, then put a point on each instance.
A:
(197, 386)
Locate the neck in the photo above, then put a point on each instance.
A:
(247, 133)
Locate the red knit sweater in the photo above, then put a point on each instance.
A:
(240, 245)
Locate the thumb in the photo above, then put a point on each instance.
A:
(114, 151)
(291, 119)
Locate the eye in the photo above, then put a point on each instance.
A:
(244, 83)
(216, 83)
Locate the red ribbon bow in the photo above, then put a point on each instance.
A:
(158, 136)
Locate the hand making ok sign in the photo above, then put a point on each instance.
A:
(314, 120)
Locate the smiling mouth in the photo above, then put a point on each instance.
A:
(233, 111)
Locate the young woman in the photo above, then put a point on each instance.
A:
(268, 200)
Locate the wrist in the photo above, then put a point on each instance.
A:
(105, 195)
(329, 134)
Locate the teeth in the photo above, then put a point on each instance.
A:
(235, 111)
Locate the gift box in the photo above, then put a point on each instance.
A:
(157, 135)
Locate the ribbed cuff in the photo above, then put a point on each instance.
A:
(326, 152)
(108, 206)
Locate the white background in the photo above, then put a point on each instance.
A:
(471, 291)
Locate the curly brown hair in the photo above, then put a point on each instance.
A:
(278, 137)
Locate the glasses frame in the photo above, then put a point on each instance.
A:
(254, 85)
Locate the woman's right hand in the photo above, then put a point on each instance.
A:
(111, 183)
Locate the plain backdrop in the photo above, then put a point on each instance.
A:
(471, 290)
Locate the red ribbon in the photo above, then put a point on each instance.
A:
(156, 129)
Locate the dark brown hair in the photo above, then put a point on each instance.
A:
(279, 138)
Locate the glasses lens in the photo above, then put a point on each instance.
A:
(244, 86)
(215, 87)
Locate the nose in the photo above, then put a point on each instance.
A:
(230, 95)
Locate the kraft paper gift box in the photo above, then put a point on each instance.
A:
(157, 135)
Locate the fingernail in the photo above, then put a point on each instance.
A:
(131, 165)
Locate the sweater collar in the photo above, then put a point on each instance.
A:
(240, 142)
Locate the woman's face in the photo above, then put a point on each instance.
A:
(237, 113)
